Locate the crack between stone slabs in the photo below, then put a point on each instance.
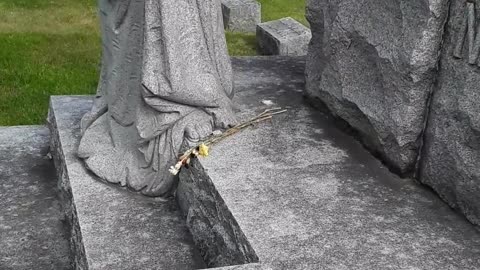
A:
(342, 125)
(243, 253)
(422, 137)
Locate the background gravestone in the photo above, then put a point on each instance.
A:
(451, 157)
(285, 36)
(373, 63)
(241, 15)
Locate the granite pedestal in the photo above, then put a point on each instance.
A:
(292, 193)
(296, 193)
(112, 228)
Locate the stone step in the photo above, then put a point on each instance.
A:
(112, 228)
(32, 232)
(296, 193)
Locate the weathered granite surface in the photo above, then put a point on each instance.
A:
(451, 156)
(112, 228)
(250, 266)
(373, 64)
(219, 238)
(241, 15)
(307, 196)
(283, 37)
(32, 231)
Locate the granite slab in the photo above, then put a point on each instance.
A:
(32, 231)
(301, 194)
(110, 227)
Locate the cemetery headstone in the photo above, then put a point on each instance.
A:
(283, 37)
(241, 15)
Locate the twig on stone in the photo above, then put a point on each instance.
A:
(203, 147)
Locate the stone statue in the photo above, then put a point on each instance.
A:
(165, 83)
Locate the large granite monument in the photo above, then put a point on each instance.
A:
(451, 154)
(373, 64)
(405, 76)
(166, 81)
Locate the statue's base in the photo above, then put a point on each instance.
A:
(110, 227)
(292, 193)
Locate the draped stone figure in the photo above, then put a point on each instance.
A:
(165, 83)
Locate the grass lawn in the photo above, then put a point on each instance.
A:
(52, 47)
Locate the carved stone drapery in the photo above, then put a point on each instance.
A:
(166, 81)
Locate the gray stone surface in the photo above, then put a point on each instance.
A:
(215, 232)
(166, 81)
(112, 228)
(241, 15)
(307, 196)
(373, 64)
(285, 36)
(451, 156)
(32, 232)
(250, 266)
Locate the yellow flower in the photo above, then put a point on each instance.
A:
(173, 171)
(203, 150)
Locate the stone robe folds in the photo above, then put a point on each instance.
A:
(166, 80)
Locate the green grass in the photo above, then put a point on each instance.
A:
(241, 43)
(35, 66)
(52, 47)
(276, 9)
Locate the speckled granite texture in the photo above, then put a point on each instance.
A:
(307, 196)
(250, 266)
(373, 64)
(298, 193)
(215, 232)
(113, 228)
(32, 232)
(451, 154)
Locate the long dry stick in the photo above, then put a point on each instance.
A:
(194, 151)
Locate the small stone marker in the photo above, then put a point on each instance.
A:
(241, 15)
(285, 36)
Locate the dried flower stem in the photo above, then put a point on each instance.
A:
(194, 151)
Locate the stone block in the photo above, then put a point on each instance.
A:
(283, 37)
(451, 156)
(111, 227)
(373, 64)
(241, 15)
(303, 195)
